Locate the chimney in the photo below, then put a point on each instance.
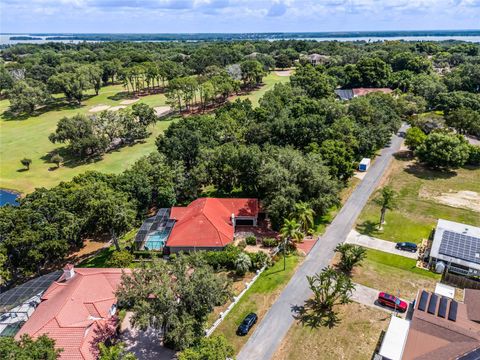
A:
(232, 217)
(68, 272)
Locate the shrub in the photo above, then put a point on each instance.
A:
(242, 244)
(259, 260)
(121, 259)
(56, 159)
(242, 263)
(223, 259)
(473, 157)
(251, 240)
(26, 162)
(269, 242)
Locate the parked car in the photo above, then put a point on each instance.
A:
(247, 324)
(407, 246)
(392, 302)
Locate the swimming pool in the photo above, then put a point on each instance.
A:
(157, 240)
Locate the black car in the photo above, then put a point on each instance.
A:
(407, 246)
(247, 324)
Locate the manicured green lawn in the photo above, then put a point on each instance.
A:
(257, 299)
(28, 138)
(417, 209)
(270, 80)
(394, 274)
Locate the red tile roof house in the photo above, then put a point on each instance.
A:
(74, 310)
(209, 223)
(205, 224)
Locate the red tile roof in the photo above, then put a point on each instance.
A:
(72, 310)
(365, 91)
(206, 222)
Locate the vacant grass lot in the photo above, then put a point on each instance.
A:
(257, 299)
(269, 82)
(394, 274)
(355, 337)
(417, 209)
(28, 137)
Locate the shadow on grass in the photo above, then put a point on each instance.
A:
(22, 170)
(122, 95)
(403, 155)
(314, 317)
(56, 106)
(368, 227)
(422, 172)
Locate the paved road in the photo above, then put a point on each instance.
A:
(354, 237)
(274, 326)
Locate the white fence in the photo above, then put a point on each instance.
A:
(236, 299)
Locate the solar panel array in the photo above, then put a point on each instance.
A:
(460, 246)
(442, 309)
(422, 304)
(18, 295)
(432, 305)
(452, 312)
(474, 355)
(428, 302)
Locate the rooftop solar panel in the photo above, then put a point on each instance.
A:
(460, 246)
(452, 312)
(474, 355)
(432, 305)
(442, 309)
(422, 304)
(18, 295)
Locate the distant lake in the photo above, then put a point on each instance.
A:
(372, 37)
(8, 197)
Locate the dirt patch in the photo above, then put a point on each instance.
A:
(283, 73)
(89, 248)
(469, 200)
(129, 101)
(99, 108)
(116, 108)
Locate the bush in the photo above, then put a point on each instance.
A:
(223, 259)
(251, 240)
(26, 162)
(121, 259)
(242, 244)
(146, 254)
(473, 157)
(259, 260)
(56, 159)
(269, 242)
(242, 263)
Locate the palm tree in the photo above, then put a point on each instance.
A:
(304, 214)
(290, 232)
(114, 352)
(351, 255)
(242, 263)
(330, 288)
(386, 200)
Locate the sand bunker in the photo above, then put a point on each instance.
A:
(283, 73)
(99, 108)
(128, 102)
(463, 199)
(162, 110)
(115, 108)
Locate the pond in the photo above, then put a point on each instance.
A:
(8, 197)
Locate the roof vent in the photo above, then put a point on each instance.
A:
(68, 272)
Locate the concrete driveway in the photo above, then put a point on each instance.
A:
(275, 324)
(368, 296)
(354, 237)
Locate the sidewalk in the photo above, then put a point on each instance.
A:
(354, 237)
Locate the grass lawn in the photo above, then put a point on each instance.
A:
(28, 138)
(355, 337)
(393, 274)
(417, 209)
(270, 80)
(257, 299)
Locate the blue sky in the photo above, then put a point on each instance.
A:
(160, 16)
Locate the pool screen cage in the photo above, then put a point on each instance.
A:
(160, 222)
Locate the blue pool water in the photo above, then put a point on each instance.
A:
(156, 240)
(8, 197)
